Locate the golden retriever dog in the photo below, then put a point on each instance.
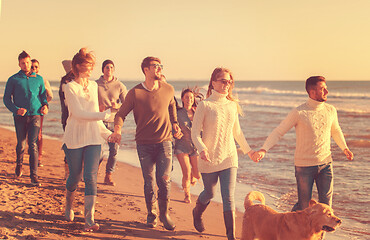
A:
(263, 223)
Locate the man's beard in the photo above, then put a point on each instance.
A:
(321, 99)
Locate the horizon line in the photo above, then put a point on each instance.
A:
(206, 80)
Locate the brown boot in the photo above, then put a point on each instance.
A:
(229, 218)
(197, 215)
(70, 215)
(18, 170)
(151, 219)
(164, 216)
(90, 224)
(108, 179)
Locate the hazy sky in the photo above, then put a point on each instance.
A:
(257, 40)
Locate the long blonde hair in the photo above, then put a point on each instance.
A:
(230, 95)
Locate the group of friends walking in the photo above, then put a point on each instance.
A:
(205, 132)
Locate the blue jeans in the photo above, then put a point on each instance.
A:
(113, 148)
(306, 176)
(88, 158)
(28, 127)
(227, 183)
(156, 159)
(112, 160)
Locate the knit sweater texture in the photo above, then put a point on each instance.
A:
(315, 123)
(84, 124)
(153, 112)
(215, 129)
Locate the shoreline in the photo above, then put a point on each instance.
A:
(123, 203)
(30, 212)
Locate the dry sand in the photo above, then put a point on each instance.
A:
(28, 212)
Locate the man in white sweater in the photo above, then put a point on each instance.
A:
(315, 123)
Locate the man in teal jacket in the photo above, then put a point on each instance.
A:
(25, 97)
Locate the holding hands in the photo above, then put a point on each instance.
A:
(115, 137)
(257, 156)
(250, 154)
(177, 131)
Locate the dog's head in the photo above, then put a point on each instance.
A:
(322, 217)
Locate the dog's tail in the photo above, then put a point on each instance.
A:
(254, 195)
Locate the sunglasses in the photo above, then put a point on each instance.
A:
(224, 81)
(156, 66)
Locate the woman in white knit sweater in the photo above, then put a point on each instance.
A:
(217, 119)
(83, 136)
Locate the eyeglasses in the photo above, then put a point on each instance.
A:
(156, 66)
(224, 81)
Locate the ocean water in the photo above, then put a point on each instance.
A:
(265, 104)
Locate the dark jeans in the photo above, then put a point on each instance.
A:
(113, 148)
(156, 165)
(27, 127)
(306, 176)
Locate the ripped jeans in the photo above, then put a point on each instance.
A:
(156, 159)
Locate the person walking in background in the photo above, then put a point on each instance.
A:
(185, 150)
(84, 134)
(215, 129)
(49, 96)
(315, 123)
(25, 97)
(67, 65)
(163, 78)
(153, 105)
(111, 94)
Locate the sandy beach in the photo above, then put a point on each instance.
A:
(28, 212)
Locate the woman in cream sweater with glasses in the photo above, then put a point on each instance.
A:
(84, 134)
(215, 129)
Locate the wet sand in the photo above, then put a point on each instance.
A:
(28, 212)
